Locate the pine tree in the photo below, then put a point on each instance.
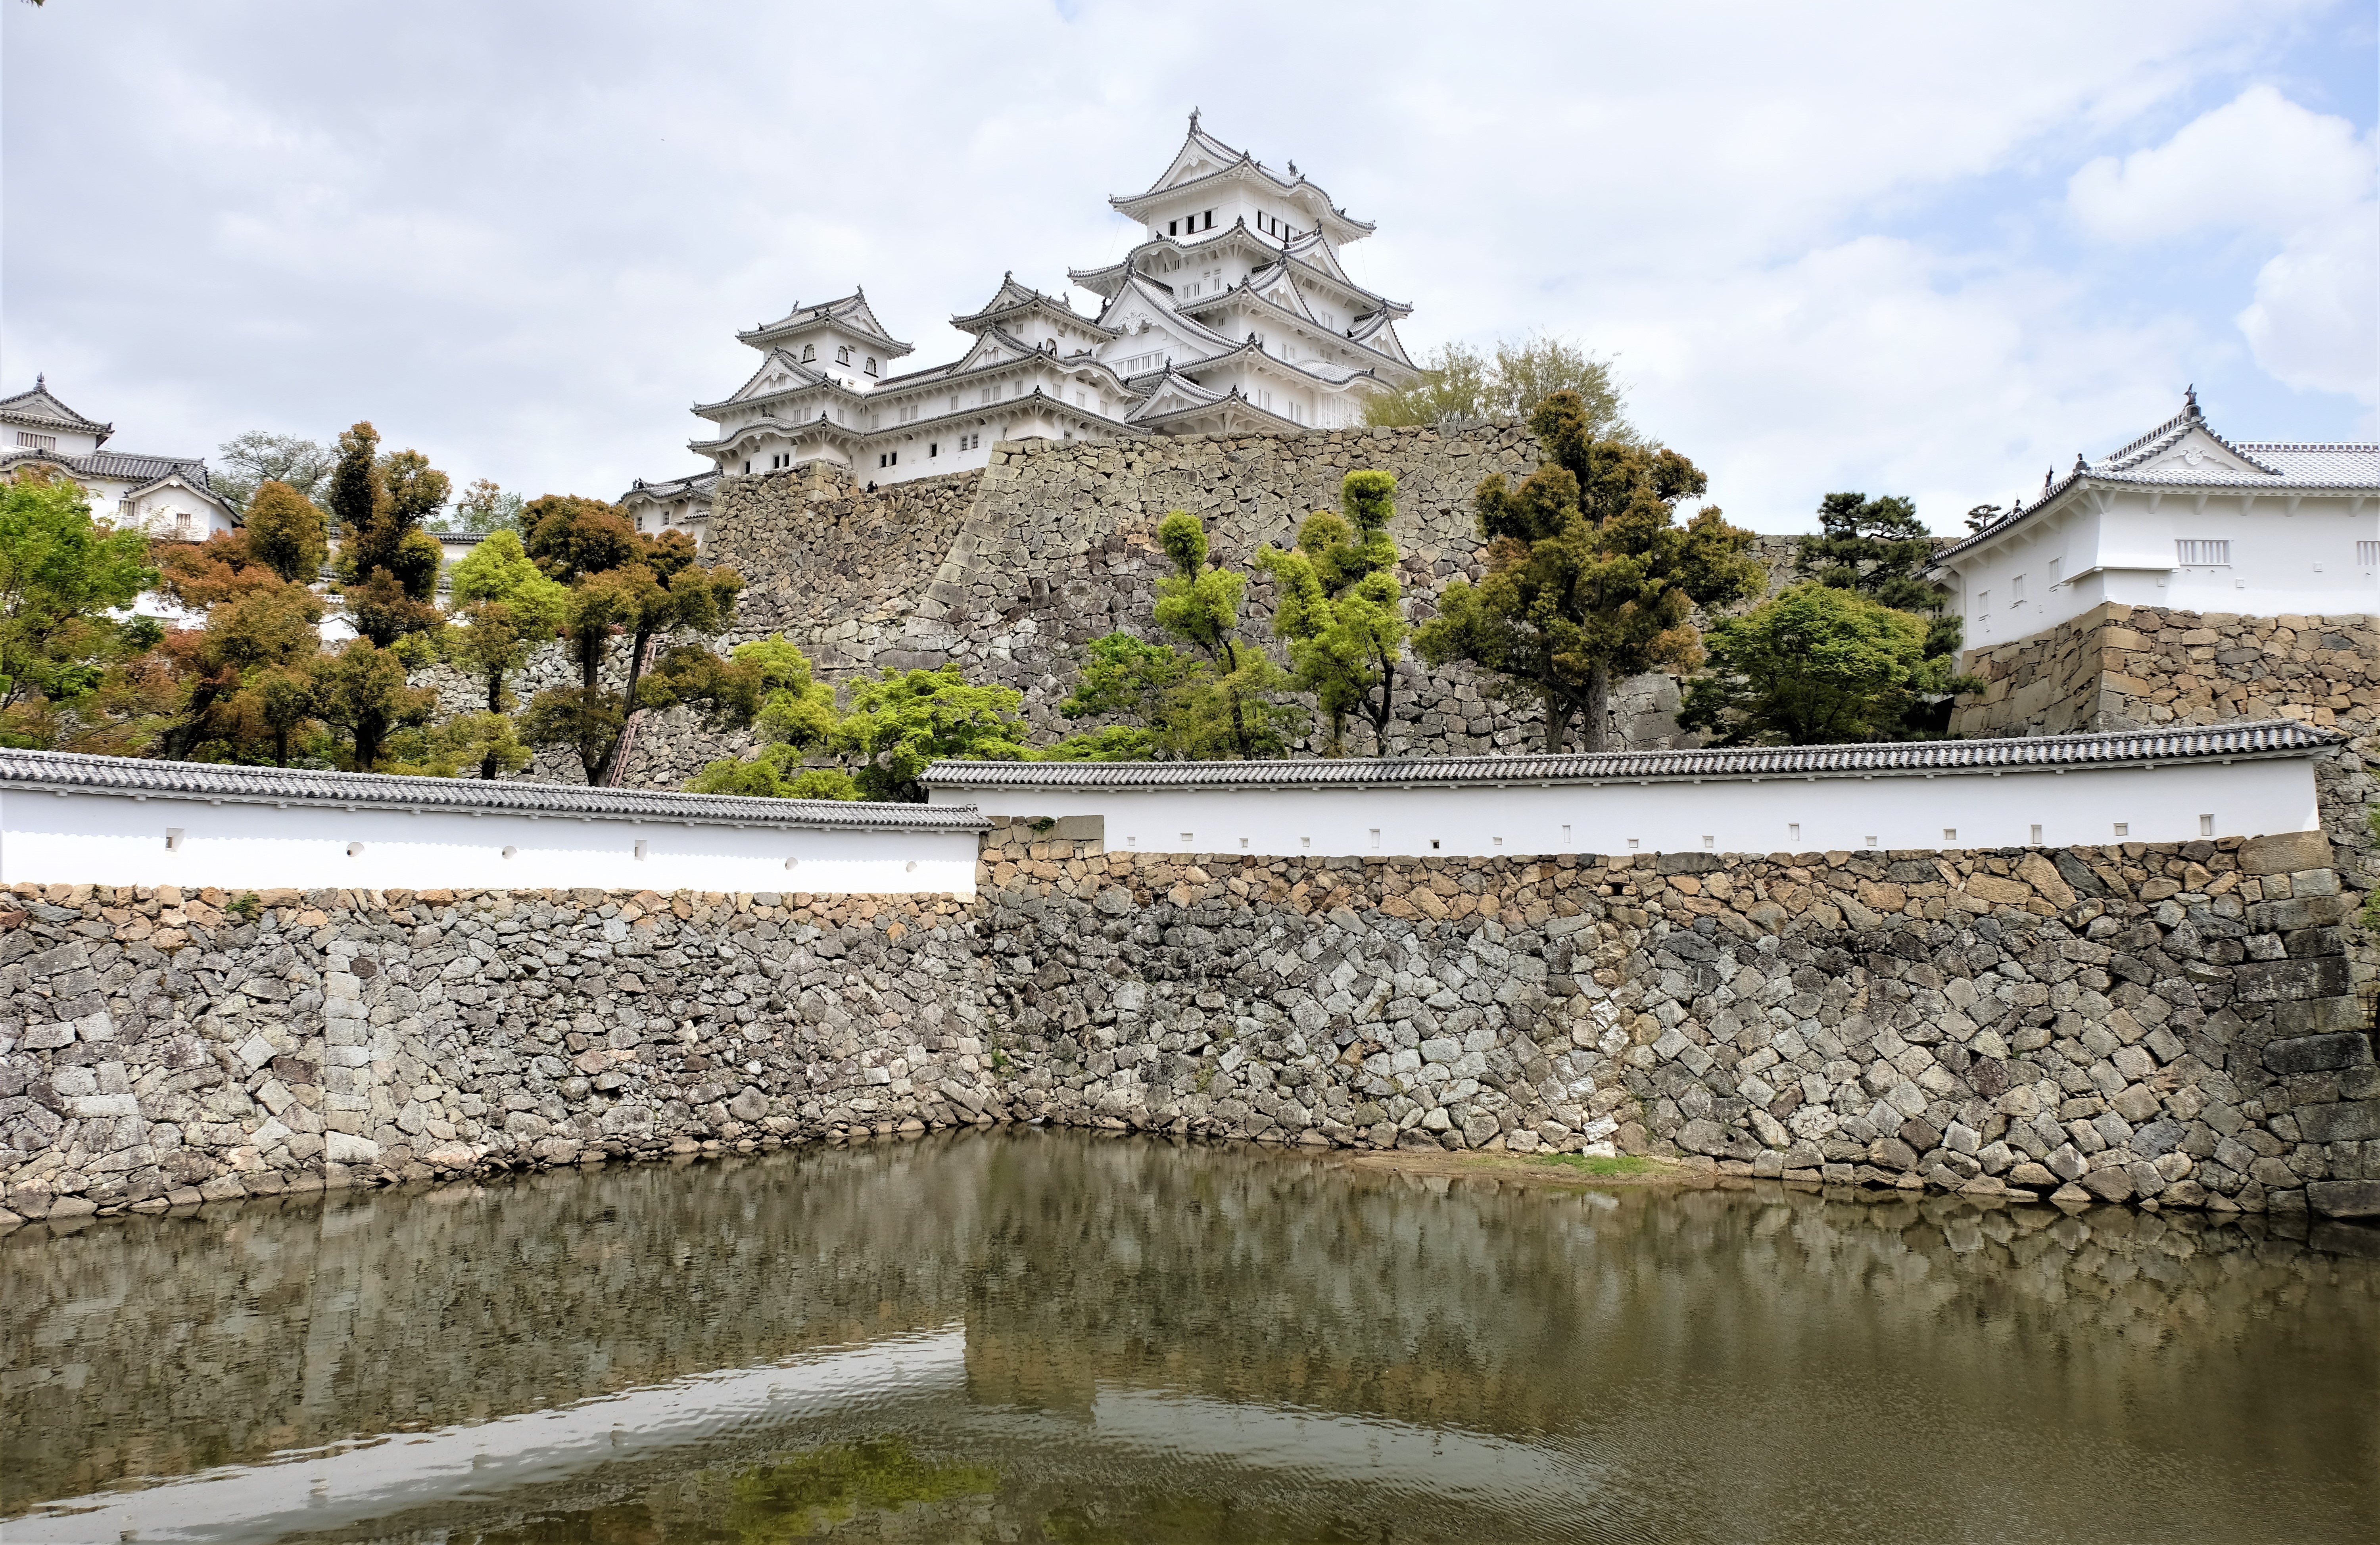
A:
(1590, 579)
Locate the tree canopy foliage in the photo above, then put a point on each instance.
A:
(387, 561)
(246, 462)
(906, 719)
(1339, 608)
(1589, 578)
(1229, 705)
(487, 507)
(285, 533)
(1879, 549)
(1459, 382)
(1815, 665)
(623, 587)
(61, 574)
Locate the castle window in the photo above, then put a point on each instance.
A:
(896, 458)
(2367, 554)
(37, 442)
(933, 448)
(748, 463)
(2203, 554)
(809, 352)
(2055, 565)
(1172, 227)
(871, 364)
(843, 355)
(2016, 590)
(1983, 601)
(1210, 219)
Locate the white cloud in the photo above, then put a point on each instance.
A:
(1882, 365)
(2316, 323)
(2264, 166)
(2258, 163)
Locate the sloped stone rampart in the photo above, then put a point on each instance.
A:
(2167, 1023)
(1011, 571)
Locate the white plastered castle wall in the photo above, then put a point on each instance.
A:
(2250, 553)
(1945, 812)
(111, 839)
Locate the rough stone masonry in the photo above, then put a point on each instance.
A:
(2133, 1023)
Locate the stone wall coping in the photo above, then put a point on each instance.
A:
(2274, 737)
(71, 774)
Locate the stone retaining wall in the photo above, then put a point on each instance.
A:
(2167, 1023)
(2136, 667)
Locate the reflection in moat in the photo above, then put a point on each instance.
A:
(1024, 1336)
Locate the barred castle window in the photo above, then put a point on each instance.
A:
(30, 441)
(2367, 554)
(2203, 554)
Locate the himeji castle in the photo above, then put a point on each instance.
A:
(1233, 313)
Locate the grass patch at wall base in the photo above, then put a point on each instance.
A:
(1626, 1163)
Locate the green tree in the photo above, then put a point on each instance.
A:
(1590, 579)
(61, 574)
(569, 536)
(508, 609)
(249, 675)
(247, 462)
(388, 563)
(776, 773)
(1815, 665)
(1126, 677)
(1878, 548)
(284, 533)
(361, 693)
(623, 588)
(795, 719)
(1460, 382)
(899, 723)
(486, 506)
(1231, 707)
(1339, 609)
(469, 745)
(355, 494)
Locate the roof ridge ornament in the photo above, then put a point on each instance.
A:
(2190, 402)
(1194, 121)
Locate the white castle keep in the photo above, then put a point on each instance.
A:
(1233, 315)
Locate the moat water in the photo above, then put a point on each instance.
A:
(1026, 1336)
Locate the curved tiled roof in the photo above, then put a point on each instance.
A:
(41, 409)
(67, 773)
(2284, 466)
(2123, 747)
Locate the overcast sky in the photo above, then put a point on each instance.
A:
(1924, 249)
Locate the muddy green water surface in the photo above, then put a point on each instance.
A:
(1027, 1336)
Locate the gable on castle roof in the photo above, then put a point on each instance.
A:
(1143, 299)
(1015, 300)
(1203, 159)
(41, 408)
(849, 313)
